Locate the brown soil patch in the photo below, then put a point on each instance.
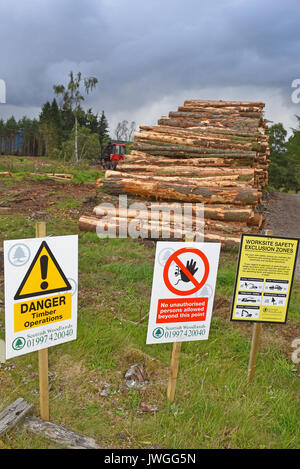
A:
(36, 197)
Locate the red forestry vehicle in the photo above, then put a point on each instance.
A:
(114, 152)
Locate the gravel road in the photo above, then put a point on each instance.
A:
(283, 217)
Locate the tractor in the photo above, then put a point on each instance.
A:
(114, 152)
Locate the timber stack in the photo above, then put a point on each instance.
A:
(210, 152)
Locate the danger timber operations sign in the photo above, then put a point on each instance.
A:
(183, 291)
(40, 293)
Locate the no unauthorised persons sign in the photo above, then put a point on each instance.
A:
(41, 276)
(182, 291)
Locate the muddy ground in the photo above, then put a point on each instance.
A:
(34, 198)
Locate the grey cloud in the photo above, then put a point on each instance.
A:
(143, 52)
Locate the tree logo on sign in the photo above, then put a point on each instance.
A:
(18, 343)
(19, 254)
(158, 332)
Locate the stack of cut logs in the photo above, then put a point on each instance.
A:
(211, 152)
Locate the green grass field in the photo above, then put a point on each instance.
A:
(215, 407)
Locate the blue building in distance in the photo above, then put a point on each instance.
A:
(12, 144)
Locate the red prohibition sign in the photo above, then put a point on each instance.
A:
(197, 285)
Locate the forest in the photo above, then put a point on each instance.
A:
(284, 169)
(52, 134)
(63, 129)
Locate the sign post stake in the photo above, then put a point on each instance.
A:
(173, 371)
(257, 327)
(254, 349)
(40, 232)
(174, 365)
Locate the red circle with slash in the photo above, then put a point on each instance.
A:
(174, 258)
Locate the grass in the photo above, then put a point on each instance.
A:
(215, 407)
(20, 167)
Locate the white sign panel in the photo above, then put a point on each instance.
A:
(183, 290)
(41, 279)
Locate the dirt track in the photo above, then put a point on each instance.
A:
(283, 217)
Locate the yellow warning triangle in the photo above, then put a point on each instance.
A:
(43, 276)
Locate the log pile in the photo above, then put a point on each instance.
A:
(211, 152)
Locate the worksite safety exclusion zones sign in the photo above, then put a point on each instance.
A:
(264, 278)
(41, 277)
(183, 289)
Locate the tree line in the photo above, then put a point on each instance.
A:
(284, 168)
(64, 129)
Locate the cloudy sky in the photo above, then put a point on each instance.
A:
(149, 56)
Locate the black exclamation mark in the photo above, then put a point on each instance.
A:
(44, 270)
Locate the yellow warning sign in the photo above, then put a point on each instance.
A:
(264, 278)
(43, 276)
(42, 311)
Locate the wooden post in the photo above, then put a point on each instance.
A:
(254, 349)
(40, 232)
(257, 327)
(174, 365)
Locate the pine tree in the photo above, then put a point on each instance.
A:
(293, 160)
(278, 156)
(11, 130)
(50, 126)
(103, 133)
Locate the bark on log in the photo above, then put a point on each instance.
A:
(256, 219)
(187, 151)
(214, 212)
(246, 112)
(148, 214)
(210, 118)
(14, 414)
(174, 221)
(59, 435)
(220, 103)
(61, 176)
(210, 132)
(146, 158)
(90, 224)
(187, 193)
(142, 228)
(201, 140)
(227, 242)
(180, 127)
(226, 213)
(216, 181)
(239, 124)
(188, 170)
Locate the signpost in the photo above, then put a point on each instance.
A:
(41, 276)
(263, 285)
(182, 296)
(40, 231)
